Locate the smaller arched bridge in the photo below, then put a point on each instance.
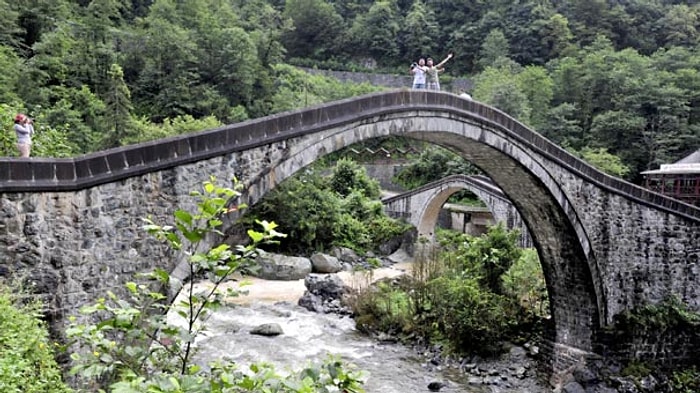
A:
(73, 225)
(421, 206)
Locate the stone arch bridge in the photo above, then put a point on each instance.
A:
(421, 206)
(73, 225)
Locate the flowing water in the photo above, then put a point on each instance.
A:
(308, 336)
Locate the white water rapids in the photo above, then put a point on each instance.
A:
(308, 336)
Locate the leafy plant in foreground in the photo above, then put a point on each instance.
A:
(135, 347)
(27, 364)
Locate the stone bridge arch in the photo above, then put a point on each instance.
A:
(421, 206)
(605, 245)
(577, 297)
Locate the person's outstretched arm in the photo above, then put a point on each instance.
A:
(440, 64)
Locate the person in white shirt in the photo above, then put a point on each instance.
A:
(418, 70)
(25, 129)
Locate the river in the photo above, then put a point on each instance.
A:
(308, 336)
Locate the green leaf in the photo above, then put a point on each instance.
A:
(183, 216)
(255, 236)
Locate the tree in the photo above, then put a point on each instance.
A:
(679, 26)
(432, 164)
(494, 47)
(375, 32)
(10, 78)
(556, 35)
(348, 176)
(117, 110)
(419, 32)
(316, 27)
(498, 86)
(92, 62)
(601, 159)
(538, 87)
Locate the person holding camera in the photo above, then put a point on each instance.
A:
(25, 129)
(418, 70)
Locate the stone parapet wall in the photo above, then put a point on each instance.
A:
(455, 85)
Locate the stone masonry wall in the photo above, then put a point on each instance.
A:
(75, 246)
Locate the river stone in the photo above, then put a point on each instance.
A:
(323, 263)
(436, 386)
(573, 387)
(345, 254)
(282, 267)
(324, 294)
(267, 329)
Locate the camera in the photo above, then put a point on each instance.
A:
(414, 65)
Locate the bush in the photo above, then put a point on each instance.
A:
(383, 308)
(686, 381)
(469, 316)
(27, 364)
(321, 212)
(524, 283)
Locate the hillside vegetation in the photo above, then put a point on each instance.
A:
(613, 81)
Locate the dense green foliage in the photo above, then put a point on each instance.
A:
(319, 212)
(473, 294)
(614, 77)
(27, 363)
(135, 347)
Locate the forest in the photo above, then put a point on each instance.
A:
(616, 82)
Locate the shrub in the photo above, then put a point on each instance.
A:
(469, 316)
(524, 283)
(27, 364)
(686, 381)
(383, 308)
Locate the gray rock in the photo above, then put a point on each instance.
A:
(648, 384)
(311, 302)
(345, 254)
(282, 267)
(475, 381)
(585, 376)
(327, 286)
(267, 329)
(573, 387)
(323, 263)
(324, 294)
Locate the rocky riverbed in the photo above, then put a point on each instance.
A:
(300, 336)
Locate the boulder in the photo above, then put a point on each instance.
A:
(573, 387)
(267, 329)
(282, 267)
(324, 293)
(324, 263)
(345, 254)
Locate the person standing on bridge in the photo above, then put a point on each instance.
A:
(432, 79)
(418, 70)
(25, 129)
